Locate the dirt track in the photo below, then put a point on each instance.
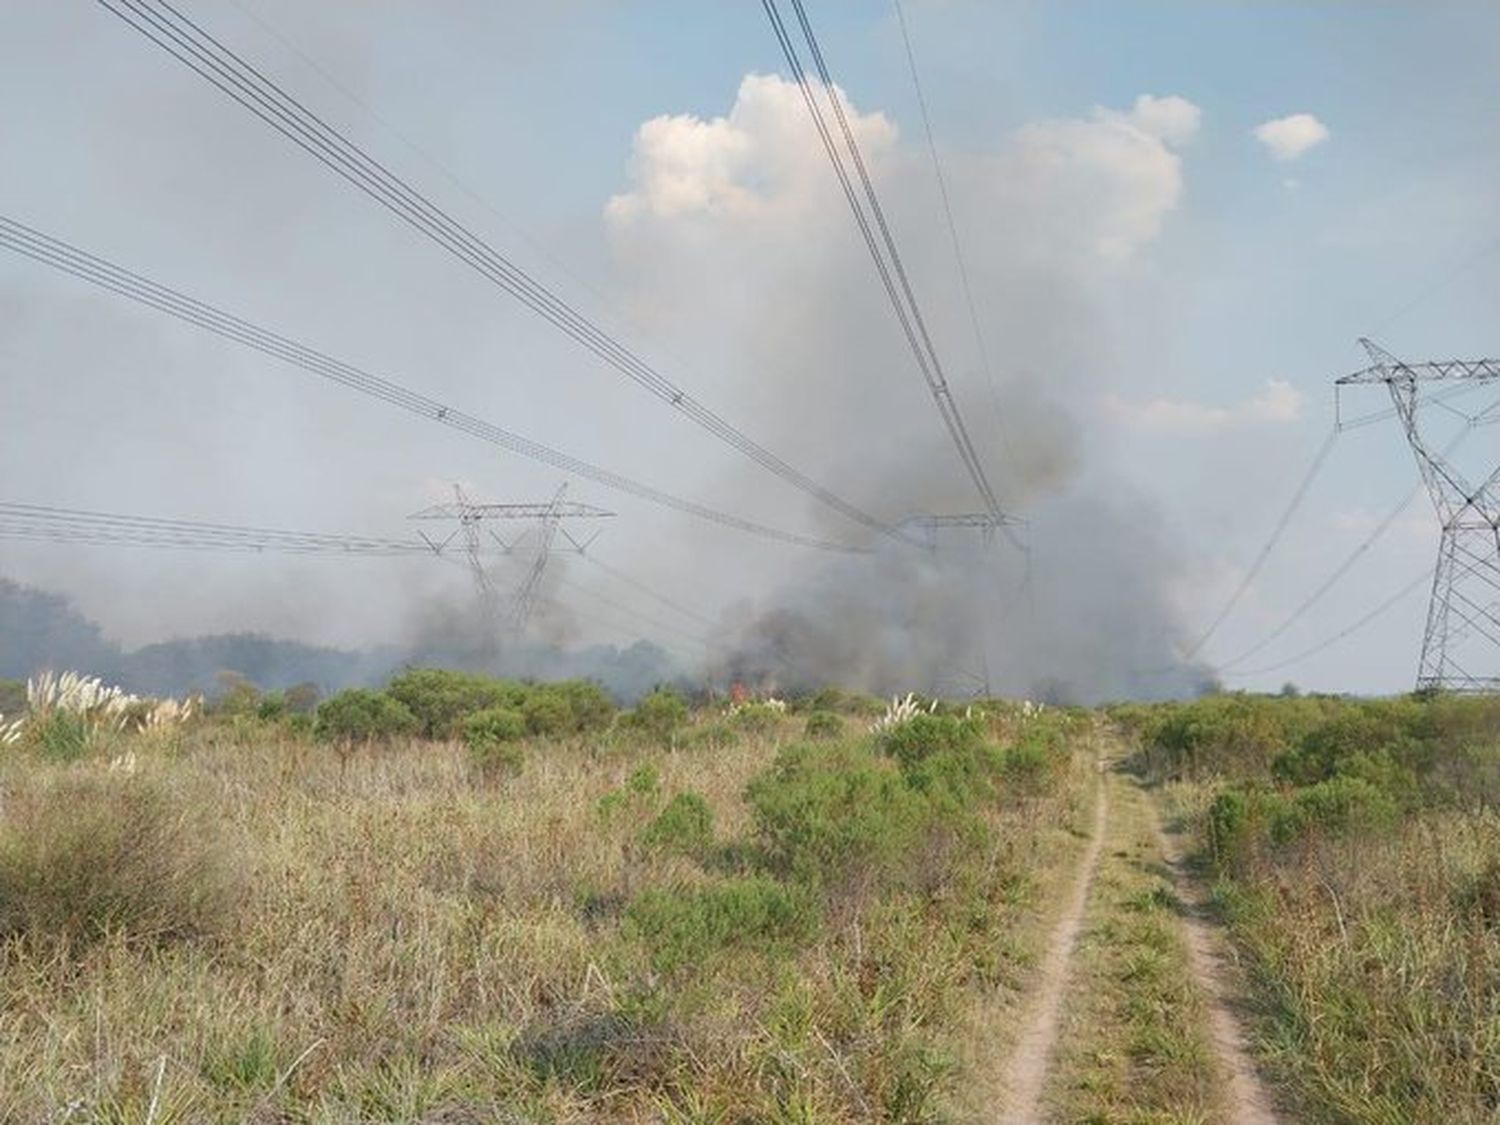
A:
(1026, 1074)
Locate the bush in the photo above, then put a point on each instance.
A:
(824, 724)
(641, 790)
(689, 926)
(546, 713)
(63, 736)
(590, 705)
(831, 814)
(923, 736)
(490, 736)
(659, 714)
(302, 699)
(684, 827)
(84, 856)
(441, 699)
(756, 718)
(1337, 807)
(358, 715)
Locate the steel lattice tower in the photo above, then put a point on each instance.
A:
(470, 515)
(1461, 644)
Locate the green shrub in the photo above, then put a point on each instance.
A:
(923, 736)
(490, 737)
(1228, 824)
(547, 714)
(689, 926)
(824, 724)
(589, 704)
(441, 700)
(63, 736)
(1030, 767)
(359, 715)
(659, 714)
(83, 856)
(829, 813)
(756, 718)
(271, 708)
(684, 827)
(494, 725)
(640, 791)
(1337, 807)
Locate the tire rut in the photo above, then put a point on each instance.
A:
(1026, 1073)
(1248, 1100)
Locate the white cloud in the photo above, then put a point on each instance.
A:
(1287, 138)
(1174, 120)
(1277, 404)
(762, 156)
(1098, 187)
(1083, 192)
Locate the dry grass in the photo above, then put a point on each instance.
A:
(1376, 962)
(405, 939)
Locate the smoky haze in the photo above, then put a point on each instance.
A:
(718, 246)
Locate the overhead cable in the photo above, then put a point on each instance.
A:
(91, 268)
(883, 252)
(1417, 582)
(187, 41)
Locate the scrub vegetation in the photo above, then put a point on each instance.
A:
(1354, 848)
(464, 899)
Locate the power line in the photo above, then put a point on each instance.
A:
(636, 584)
(87, 527)
(76, 525)
(1275, 537)
(88, 267)
(188, 42)
(888, 263)
(958, 254)
(1338, 572)
(1420, 580)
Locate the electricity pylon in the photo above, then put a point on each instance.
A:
(1461, 644)
(470, 516)
(953, 676)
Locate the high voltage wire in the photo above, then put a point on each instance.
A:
(888, 263)
(980, 343)
(86, 527)
(98, 271)
(1251, 574)
(75, 525)
(641, 587)
(1342, 569)
(1329, 642)
(177, 34)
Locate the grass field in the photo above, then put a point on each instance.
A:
(459, 899)
(665, 916)
(1355, 853)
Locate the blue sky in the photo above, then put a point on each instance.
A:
(1241, 268)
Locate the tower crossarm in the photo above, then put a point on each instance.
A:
(1453, 495)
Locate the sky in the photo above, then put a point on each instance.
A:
(1177, 219)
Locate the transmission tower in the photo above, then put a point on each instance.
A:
(1461, 644)
(954, 676)
(470, 518)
